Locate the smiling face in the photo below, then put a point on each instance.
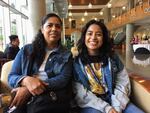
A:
(93, 39)
(52, 31)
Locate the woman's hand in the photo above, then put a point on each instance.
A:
(34, 85)
(112, 110)
(21, 97)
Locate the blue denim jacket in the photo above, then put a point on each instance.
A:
(58, 68)
(110, 71)
(117, 81)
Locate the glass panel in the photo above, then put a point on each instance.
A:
(6, 17)
(13, 23)
(1, 28)
(12, 3)
(5, 1)
(18, 4)
(24, 26)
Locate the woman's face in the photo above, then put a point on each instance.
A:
(93, 39)
(52, 31)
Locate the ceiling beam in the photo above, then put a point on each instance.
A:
(86, 7)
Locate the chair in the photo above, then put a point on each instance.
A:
(3, 61)
(4, 88)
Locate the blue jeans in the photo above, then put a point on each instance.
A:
(131, 108)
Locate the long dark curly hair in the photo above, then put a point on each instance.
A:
(105, 50)
(39, 43)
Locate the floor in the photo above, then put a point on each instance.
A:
(137, 63)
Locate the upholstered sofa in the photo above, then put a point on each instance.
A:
(140, 91)
(140, 87)
(4, 75)
(4, 88)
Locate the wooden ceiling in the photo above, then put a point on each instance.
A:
(86, 2)
(79, 6)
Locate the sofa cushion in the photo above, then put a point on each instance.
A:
(6, 68)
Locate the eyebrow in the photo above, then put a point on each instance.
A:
(54, 23)
(96, 32)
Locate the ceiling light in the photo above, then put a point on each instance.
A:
(109, 5)
(101, 13)
(70, 6)
(95, 18)
(70, 14)
(70, 19)
(123, 8)
(90, 5)
(85, 14)
(82, 19)
(113, 16)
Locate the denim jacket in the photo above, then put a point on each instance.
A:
(58, 68)
(110, 74)
(119, 86)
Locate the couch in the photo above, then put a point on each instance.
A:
(140, 87)
(4, 75)
(4, 88)
(140, 91)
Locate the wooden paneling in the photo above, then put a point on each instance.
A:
(69, 31)
(138, 13)
(86, 2)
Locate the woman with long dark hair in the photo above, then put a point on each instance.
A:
(101, 82)
(42, 71)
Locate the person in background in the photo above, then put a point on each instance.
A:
(1, 54)
(12, 48)
(101, 82)
(42, 71)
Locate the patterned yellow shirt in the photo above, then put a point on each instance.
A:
(97, 86)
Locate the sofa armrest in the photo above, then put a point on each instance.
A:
(140, 92)
(5, 95)
(4, 87)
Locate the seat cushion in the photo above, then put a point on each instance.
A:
(4, 76)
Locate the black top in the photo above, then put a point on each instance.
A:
(11, 52)
(94, 59)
